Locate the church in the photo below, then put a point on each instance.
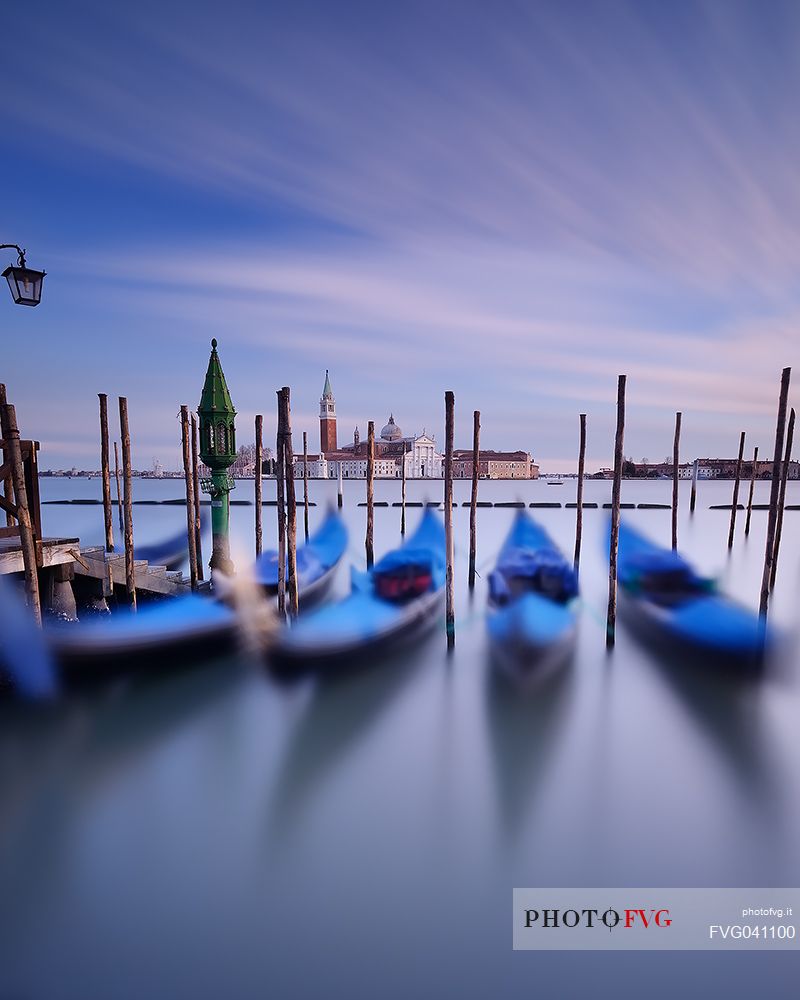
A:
(392, 449)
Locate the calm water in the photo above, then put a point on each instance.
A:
(211, 834)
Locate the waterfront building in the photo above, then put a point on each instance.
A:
(495, 464)
(393, 449)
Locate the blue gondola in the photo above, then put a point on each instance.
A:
(662, 595)
(317, 561)
(157, 633)
(27, 666)
(533, 598)
(395, 601)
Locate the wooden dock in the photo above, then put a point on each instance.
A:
(49, 552)
(95, 563)
(109, 567)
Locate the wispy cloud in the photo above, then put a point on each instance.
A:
(516, 202)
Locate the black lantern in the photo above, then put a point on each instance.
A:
(24, 282)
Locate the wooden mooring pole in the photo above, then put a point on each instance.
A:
(368, 541)
(291, 506)
(191, 538)
(105, 472)
(676, 446)
(611, 620)
(339, 496)
(198, 532)
(124, 432)
(8, 483)
(280, 488)
(769, 550)
(735, 499)
(473, 500)
(450, 611)
(305, 484)
(259, 463)
(120, 515)
(579, 499)
(782, 498)
(403, 494)
(750, 494)
(693, 498)
(14, 453)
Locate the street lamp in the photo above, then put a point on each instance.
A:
(24, 282)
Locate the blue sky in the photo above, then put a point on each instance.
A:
(515, 201)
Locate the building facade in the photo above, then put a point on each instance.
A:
(392, 449)
(495, 465)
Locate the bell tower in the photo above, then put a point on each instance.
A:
(327, 418)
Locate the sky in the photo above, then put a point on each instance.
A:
(516, 201)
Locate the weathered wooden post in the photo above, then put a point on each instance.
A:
(124, 433)
(473, 500)
(339, 497)
(611, 621)
(259, 463)
(735, 501)
(305, 483)
(676, 445)
(105, 472)
(769, 551)
(198, 541)
(189, 480)
(403, 494)
(280, 490)
(693, 498)
(218, 451)
(753, 473)
(14, 453)
(291, 505)
(579, 505)
(8, 484)
(450, 611)
(782, 498)
(120, 516)
(370, 492)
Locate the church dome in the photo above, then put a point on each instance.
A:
(391, 432)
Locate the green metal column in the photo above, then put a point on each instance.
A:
(218, 452)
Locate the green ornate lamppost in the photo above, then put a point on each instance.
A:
(218, 452)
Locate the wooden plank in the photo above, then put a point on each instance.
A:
(52, 553)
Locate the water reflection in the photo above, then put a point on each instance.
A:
(524, 724)
(344, 705)
(728, 707)
(214, 805)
